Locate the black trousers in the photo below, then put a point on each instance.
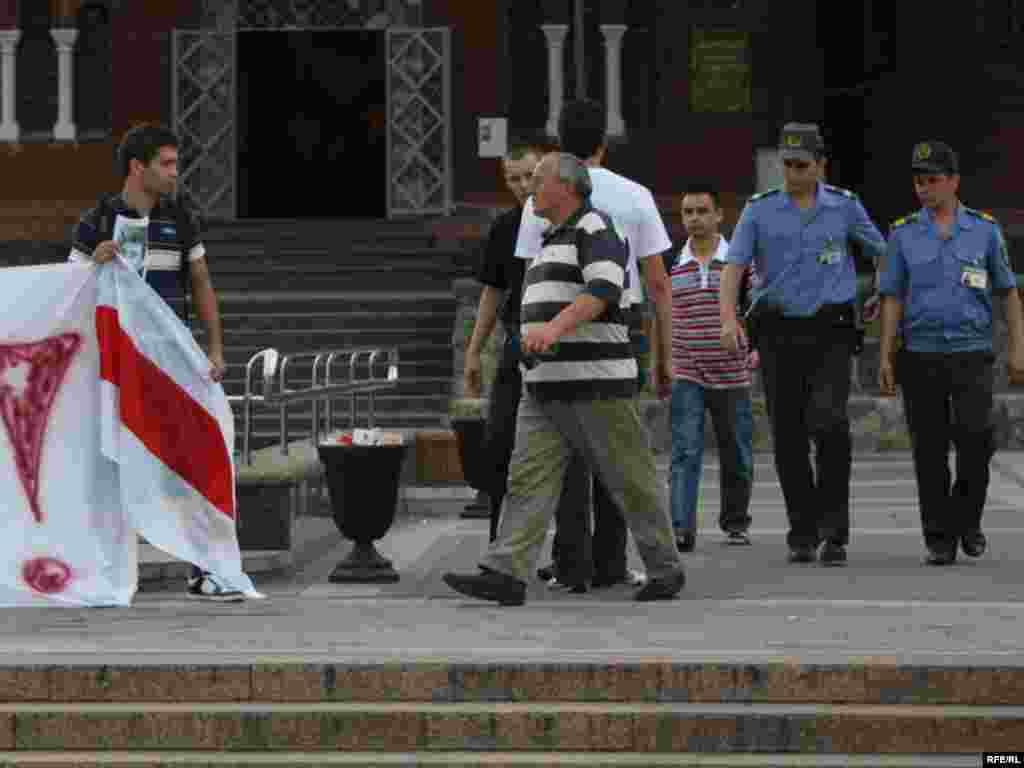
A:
(573, 554)
(500, 431)
(604, 546)
(948, 401)
(806, 367)
(579, 552)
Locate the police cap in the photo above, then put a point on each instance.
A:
(934, 157)
(801, 141)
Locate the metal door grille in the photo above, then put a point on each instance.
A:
(419, 121)
(203, 105)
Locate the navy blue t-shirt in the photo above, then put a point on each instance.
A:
(172, 243)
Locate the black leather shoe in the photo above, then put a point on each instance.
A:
(547, 573)
(805, 554)
(974, 543)
(738, 539)
(937, 556)
(664, 588)
(489, 585)
(833, 554)
(686, 542)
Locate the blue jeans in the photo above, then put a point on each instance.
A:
(733, 422)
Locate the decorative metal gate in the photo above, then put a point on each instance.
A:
(418, 113)
(419, 120)
(203, 105)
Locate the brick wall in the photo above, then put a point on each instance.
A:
(49, 186)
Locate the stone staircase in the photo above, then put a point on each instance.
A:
(502, 714)
(322, 285)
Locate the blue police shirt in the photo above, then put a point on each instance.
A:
(802, 256)
(946, 285)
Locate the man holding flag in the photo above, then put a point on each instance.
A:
(173, 264)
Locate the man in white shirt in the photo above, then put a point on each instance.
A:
(631, 206)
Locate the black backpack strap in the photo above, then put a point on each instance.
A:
(183, 222)
(104, 218)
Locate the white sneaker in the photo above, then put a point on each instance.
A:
(208, 587)
(554, 584)
(635, 578)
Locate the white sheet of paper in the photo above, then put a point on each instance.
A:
(130, 235)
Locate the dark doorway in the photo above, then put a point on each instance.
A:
(311, 124)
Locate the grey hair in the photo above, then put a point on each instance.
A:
(571, 170)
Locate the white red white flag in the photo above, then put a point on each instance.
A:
(111, 427)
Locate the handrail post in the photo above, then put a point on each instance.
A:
(283, 434)
(354, 397)
(316, 401)
(268, 358)
(327, 383)
(247, 415)
(372, 397)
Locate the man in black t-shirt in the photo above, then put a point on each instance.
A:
(502, 277)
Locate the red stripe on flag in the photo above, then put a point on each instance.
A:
(164, 417)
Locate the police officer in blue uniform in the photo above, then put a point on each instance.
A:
(803, 316)
(944, 264)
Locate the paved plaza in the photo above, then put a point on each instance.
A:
(741, 604)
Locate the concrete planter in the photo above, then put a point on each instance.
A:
(266, 515)
(363, 484)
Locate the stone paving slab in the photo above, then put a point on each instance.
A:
(741, 605)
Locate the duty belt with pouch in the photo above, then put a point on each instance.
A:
(842, 318)
(838, 319)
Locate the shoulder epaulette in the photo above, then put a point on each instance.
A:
(762, 195)
(841, 191)
(908, 219)
(981, 215)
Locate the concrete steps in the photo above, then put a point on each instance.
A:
(306, 299)
(649, 713)
(625, 727)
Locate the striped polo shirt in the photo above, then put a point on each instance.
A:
(583, 255)
(697, 352)
(172, 243)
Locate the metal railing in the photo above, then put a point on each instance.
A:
(274, 391)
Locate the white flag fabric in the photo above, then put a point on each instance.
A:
(111, 428)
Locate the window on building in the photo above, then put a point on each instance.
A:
(36, 93)
(93, 72)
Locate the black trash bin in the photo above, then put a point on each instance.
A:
(363, 484)
(470, 432)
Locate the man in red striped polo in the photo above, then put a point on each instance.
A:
(707, 376)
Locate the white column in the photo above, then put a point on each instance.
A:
(613, 77)
(64, 130)
(555, 33)
(9, 130)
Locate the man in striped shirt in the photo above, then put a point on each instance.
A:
(578, 395)
(174, 262)
(707, 376)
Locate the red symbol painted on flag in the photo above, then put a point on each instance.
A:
(46, 575)
(30, 376)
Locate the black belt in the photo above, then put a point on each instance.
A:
(830, 318)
